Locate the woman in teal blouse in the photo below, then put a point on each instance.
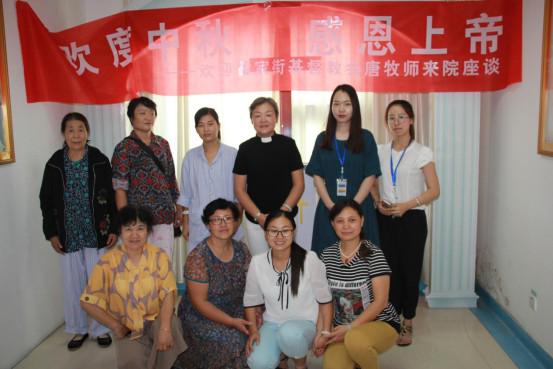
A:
(344, 164)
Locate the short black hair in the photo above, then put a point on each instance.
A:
(264, 100)
(131, 214)
(74, 116)
(142, 100)
(219, 204)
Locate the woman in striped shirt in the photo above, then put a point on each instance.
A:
(365, 323)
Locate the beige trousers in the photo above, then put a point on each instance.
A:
(140, 353)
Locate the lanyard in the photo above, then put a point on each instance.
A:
(341, 157)
(392, 170)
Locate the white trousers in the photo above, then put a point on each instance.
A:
(255, 235)
(75, 268)
(163, 236)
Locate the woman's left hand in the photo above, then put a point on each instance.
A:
(164, 339)
(338, 333)
(112, 240)
(398, 209)
(319, 346)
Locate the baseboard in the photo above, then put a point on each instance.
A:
(517, 343)
(181, 287)
(451, 300)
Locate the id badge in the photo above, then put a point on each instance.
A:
(396, 195)
(341, 187)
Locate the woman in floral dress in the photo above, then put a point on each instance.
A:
(212, 312)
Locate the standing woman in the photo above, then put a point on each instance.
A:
(268, 173)
(206, 175)
(344, 164)
(78, 213)
(406, 187)
(365, 323)
(144, 173)
(291, 283)
(212, 311)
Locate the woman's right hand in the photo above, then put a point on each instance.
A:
(253, 338)
(261, 220)
(384, 208)
(119, 330)
(185, 229)
(240, 325)
(56, 245)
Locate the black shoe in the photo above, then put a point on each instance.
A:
(104, 341)
(77, 341)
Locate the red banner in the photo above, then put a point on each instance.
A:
(375, 46)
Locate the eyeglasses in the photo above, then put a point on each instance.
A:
(282, 232)
(220, 220)
(397, 119)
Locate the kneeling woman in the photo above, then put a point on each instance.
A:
(292, 285)
(211, 312)
(365, 323)
(132, 291)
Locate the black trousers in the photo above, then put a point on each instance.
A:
(402, 240)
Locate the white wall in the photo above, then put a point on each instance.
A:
(31, 305)
(30, 280)
(515, 248)
(515, 243)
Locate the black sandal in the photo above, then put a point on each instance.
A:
(104, 341)
(77, 342)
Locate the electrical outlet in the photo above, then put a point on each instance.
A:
(533, 300)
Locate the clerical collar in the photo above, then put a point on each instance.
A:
(266, 139)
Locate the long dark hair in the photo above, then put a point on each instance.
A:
(355, 140)
(297, 253)
(202, 112)
(405, 105)
(338, 207)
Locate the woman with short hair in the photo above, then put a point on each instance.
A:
(211, 311)
(268, 173)
(132, 290)
(78, 218)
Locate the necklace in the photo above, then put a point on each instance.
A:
(352, 254)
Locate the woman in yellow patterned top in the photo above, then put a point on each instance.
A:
(132, 291)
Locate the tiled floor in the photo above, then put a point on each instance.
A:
(452, 339)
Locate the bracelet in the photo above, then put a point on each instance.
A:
(256, 216)
(288, 207)
(185, 212)
(418, 201)
(324, 333)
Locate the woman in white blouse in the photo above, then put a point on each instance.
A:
(206, 175)
(408, 183)
(292, 284)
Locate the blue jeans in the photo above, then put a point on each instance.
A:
(293, 338)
